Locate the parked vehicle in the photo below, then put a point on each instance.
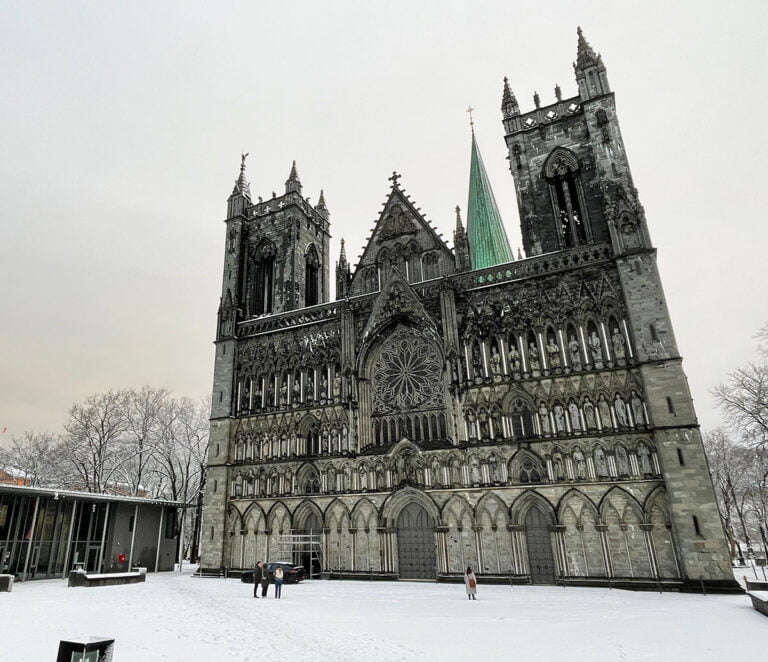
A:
(292, 574)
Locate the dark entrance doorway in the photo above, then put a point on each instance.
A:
(415, 543)
(309, 554)
(540, 557)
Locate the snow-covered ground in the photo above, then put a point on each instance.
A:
(184, 619)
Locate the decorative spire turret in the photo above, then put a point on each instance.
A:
(320, 207)
(460, 245)
(488, 243)
(343, 274)
(589, 69)
(242, 187)
(240, 198)
(509, 107)
(293, 183)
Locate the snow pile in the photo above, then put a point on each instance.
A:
(178, 618)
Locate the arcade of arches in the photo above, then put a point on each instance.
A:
(577, 533)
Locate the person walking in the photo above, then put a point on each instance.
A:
(470, 582)
(264, 580)
(257, 574)
(278, 581)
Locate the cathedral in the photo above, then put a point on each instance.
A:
(452, 406)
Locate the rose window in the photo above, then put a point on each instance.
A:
(407, 373)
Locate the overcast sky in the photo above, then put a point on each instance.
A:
(122, 126)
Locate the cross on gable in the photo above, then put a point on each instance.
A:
(394, 178)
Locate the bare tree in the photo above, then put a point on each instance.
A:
(181, 460)
(744, 399)
(143, 410)
(93, 433)
(39, 458)
(730, 464)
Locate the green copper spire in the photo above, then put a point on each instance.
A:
(488, 243)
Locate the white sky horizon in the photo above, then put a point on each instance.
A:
(124, 123)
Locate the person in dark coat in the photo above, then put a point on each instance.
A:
(264, 580)
(258, 572)
(470, 582)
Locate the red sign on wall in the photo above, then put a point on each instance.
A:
(121, 558)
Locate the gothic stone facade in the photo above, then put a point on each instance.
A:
(531, 420)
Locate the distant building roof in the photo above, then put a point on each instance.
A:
(83, 496)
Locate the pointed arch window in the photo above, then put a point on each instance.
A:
(430, 266)
(311, 277)
(261, 280)
(561, 171)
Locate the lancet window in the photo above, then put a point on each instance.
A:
(562, 173)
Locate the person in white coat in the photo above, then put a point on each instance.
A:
(470, 582)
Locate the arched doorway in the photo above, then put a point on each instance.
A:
(540, 559)
(415, 543)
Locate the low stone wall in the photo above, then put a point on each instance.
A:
(6, 583)
(760, 601)
(79, 578)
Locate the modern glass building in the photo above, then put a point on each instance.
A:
(45, 533)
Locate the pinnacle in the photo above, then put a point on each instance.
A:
(585, 55)
(293, 183)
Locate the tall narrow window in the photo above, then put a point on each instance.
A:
(311, 277)
(562, 173)
(261, 279)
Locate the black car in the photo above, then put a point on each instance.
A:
(292, 574)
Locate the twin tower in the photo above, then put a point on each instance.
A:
(448, 406)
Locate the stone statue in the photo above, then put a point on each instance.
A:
(309, 390)
(437, 475)
(495, 362)
(622, 461)
(579, 464)
(544, 419)
(336, 386)
(296, 391)
(601, 467)
(605, 413)
(493, 469)
(557, 465)
(573, 411)
(637, 409)
(271, 394)
(589, 415)
(596, 348)
(246, 396)
(284, 393)
(559, 418)
(514, 358)
(621, 411)
(477, 362)
(533, 357)
(645, 459)
(575, 352)
(618, 342)
(323, 388)
(553, 352)
(475, 472)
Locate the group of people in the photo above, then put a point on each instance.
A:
(261, 578)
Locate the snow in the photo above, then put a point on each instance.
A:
(179, 618)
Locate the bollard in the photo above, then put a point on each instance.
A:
(701, 581)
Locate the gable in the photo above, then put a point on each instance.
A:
(404, 239)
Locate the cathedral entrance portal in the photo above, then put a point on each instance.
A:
(415, 543)
(541, 561)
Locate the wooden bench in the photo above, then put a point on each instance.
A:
(760, 601)
(80, 578)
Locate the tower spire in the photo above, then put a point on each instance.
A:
(488, 243)
(293, 183)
